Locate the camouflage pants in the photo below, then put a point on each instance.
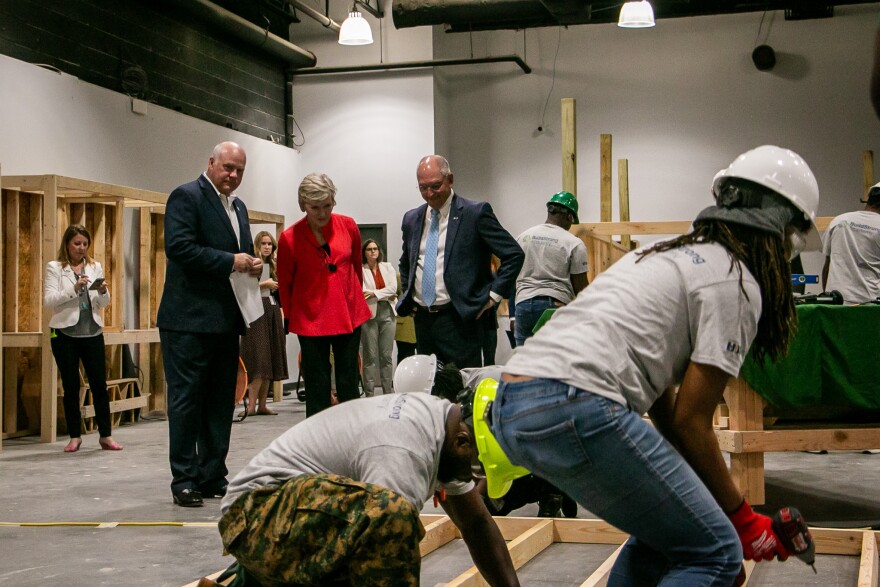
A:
(325, 529)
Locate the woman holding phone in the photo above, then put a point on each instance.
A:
(76, 292)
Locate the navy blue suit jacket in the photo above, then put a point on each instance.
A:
(473, 234)
(200, 246)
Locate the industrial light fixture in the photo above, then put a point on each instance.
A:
(636, 15)
(355, 29)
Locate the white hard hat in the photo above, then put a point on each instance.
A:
(415, 373)
(781, 170)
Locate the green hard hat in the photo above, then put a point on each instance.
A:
(500, 472)
(567, 200)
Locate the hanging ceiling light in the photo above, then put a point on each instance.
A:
(355, 30)
(636, 15)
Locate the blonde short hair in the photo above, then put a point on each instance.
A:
(316, 187)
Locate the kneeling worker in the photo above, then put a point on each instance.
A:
(336, 499)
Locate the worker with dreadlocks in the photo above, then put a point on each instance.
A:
(684, 313)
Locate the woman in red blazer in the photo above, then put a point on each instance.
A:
(320, 281)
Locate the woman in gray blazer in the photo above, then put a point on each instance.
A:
(76, 292)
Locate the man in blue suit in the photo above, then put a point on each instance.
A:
(207, 237)
(445, 267)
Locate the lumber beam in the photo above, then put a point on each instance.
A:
(605, 177)
(438, 533)
(569, 146)
(757, 441)
(623, 191)
(869, 574)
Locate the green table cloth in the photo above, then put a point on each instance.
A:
(832, 361)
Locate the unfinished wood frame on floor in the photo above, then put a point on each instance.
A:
(528, 537)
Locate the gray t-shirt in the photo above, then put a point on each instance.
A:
(553, 255)
(853, 243)
(632, 333)
(390, 440)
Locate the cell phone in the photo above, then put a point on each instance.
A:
(97, 283)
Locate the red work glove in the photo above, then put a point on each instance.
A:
(756, 534)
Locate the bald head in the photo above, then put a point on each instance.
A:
(226, 167)
(435, 180)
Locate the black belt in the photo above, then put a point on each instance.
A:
(435, 309)
(546, 298)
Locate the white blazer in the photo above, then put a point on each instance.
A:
(387, 293)
(59, 294)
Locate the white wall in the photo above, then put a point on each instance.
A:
(367, 131)
(681, 101)
(55, 124)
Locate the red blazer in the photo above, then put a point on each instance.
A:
(316, 301)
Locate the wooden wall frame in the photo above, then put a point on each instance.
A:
(34, 211)
(528, 537)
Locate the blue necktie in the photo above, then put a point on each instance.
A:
(429, 293)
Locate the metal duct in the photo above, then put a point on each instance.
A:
(411, 13)
(248, 32)
(480, 15)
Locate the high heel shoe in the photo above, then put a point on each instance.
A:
(71, 447)
(112, 445)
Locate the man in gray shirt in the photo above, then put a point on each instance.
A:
(852, 249)
(337, 497)
(555, 267)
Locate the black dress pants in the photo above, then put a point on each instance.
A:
(201, 371)
(68, 352)
(450, 337)
(316, 367)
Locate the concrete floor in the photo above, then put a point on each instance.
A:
(145, 540)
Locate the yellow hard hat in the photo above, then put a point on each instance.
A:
(500, 472)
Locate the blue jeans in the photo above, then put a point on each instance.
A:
(620, 468)
(528, 312)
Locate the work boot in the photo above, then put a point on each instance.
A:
(549, 506)
(569, 507)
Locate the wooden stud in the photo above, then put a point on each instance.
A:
(438, 533)
(49, 383)
(746, 410)
(599, 578)
(868, 568)
(569, 146)
(868, 172)
(119, 277)
(605, 177)
(623, 190)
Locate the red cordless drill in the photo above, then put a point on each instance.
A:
(791, 528)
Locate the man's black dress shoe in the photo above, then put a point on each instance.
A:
(219, 492)
(188, 498)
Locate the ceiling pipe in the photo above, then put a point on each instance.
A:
(411, 13)
(325, 21)
(413, 65)
(248, 32)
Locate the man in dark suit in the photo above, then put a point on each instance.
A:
(445, 267)
(207, 237)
